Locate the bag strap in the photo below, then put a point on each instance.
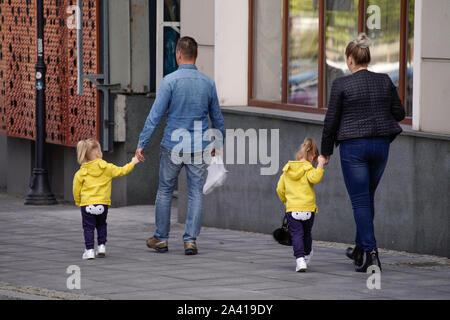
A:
(285, 222)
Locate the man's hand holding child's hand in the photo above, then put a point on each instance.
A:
(140, 154)
(135, 160)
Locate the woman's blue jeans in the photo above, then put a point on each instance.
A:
(168, 176)
(363, 161)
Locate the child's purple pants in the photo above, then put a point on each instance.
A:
(92, 222)
(301, 235)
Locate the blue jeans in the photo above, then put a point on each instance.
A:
(168, 176)
(363, 161)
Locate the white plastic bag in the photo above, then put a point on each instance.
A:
(216, 174)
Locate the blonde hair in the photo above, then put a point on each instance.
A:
(307, 149)
(85, 147)
(359, 49)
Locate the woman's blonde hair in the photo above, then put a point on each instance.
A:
(85, 147)
(359, 49)
(307, 149)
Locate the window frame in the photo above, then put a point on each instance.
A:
(321, 103)
(160, 24)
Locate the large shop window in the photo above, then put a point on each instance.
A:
(297, 48)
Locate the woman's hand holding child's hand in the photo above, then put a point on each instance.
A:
(322, 161)
(135, 160)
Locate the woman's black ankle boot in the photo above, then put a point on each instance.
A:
(369, 259)
(375, 259)
(356, 254)
(349, 252)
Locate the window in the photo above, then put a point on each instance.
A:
(341, 27)
(296, 48)
(268, 35)
(303, 46)
(167, 35)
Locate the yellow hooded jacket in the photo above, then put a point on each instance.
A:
(92, 183)
(295, 187)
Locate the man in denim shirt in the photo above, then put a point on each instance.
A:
(186, 97)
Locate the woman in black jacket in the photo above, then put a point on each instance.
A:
(363, 115)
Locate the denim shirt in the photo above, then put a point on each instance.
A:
(185, 96)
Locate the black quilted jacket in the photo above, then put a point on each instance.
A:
(363, 104)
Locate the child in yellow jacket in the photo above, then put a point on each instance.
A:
(295, 190)
(92, 192)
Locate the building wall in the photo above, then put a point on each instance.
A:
(142, 183)
(411, 203)
(231, 51)
(20, 159)
(223, 46)
(129, 44)
(435, 67)
(197, 21)
(129, 40)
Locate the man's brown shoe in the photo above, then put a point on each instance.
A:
(190, 248)
(155, 243)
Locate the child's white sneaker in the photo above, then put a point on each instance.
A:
(301, 265)
(309, 256)
(101, 251)
(88, 254)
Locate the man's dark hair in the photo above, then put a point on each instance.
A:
(188, 47)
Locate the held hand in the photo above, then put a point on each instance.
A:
(135, 160)
(323, 160)
(140, 155)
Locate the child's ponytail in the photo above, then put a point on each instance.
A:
(81, 151)
(307, 149)
(84, 147)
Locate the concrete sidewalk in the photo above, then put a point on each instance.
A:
(37, 244)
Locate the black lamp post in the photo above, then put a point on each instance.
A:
(40, 193)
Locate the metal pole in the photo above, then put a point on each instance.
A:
(40, 193)
(106, 107)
